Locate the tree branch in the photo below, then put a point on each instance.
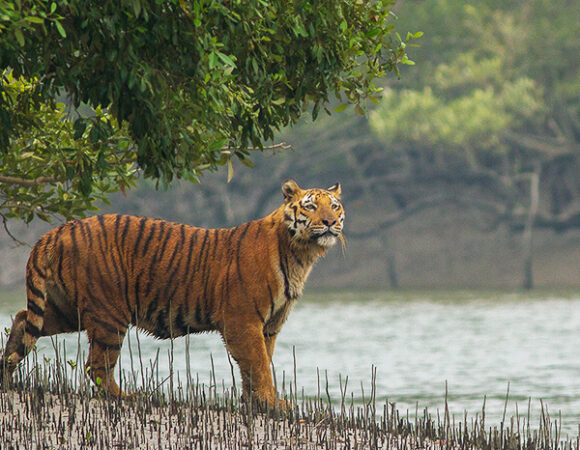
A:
(426, 203)
(279, 146)
(25, 182)
(546, 145)
(14, 238)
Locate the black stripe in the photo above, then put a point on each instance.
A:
(137, 289)
(152, 308)
(192, 240)
(259, 228)
(32, 330)
(35, 309)
(21, 350)
(298, 260)
(178, 247)
(73, 236)
(139, 234)
(216, 242)
(86, 232)
(202, 254)
(284, 273)
(166, 240)
(125, 229)
(120, 265)
(189, 274)
(206, 276)
(61, 315)
(226, 295)
(96, 301)
(161, 330)
(101, 220)
(179, 322)
(117, 225)
(33, 289)
(153, 263)
(198, 319)
(60, 252)
(149, 237)
(105, 346)
(271, 301)
(109, 327)
(201, 250)
(107, 259)
(35, 263)
(258, 311)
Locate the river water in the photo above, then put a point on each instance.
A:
(476, 343)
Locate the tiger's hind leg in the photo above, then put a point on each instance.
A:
(105, 340)
(27, 325)
(46, 315)
(15, 350)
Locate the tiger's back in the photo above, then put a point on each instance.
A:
(103, 273)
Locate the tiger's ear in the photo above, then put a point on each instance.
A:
(335, 190)
(290, 189)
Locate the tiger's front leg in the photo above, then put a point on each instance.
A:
(247, 346)
(270, 339)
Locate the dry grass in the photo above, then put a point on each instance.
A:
(51, 404)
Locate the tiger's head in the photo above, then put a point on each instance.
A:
(313, 215)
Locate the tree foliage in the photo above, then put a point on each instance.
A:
(501, 103)
(60, 168)
(186, 85)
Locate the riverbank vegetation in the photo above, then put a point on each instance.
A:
(51, 404)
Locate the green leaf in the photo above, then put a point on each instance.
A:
(226, 59)
(60, 28)
(19, 36)
(212, 60)
(34, 19)
(230, 170)
(340, 108)
(247, 162)
(137, 7)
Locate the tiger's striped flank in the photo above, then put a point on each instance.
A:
(105, 273)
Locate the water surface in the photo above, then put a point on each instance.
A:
(475, 342)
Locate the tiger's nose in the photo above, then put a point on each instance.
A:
(329, 222)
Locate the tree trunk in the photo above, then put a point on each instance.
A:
(390, 260)
(392, 270)
(528, 241)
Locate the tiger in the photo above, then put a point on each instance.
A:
(107, 272)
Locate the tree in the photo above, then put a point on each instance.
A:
(497, 109)
(170, 88)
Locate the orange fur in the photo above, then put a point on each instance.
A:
(103, 273)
